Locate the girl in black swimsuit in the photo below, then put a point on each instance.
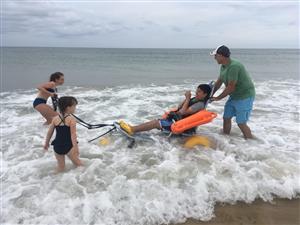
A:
(65, 142)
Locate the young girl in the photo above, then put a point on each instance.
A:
(65, 142)
(47, 90)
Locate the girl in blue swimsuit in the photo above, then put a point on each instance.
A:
(65, 142)
(47, 90)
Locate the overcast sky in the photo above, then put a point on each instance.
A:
(150, 24)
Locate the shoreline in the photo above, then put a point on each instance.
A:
(279, 212)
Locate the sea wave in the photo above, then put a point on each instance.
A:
(158, 180)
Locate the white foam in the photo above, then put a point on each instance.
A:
(157, 181)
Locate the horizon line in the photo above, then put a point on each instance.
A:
(146, 47)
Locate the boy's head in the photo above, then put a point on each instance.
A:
(203, 91)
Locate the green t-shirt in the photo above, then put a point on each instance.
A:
(235, 71)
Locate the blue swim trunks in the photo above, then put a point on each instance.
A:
(241, 109)
(165, 124)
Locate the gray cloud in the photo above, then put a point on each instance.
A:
(176, 29)
(150, 24)
(48, 19)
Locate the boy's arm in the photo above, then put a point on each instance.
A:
(188, 111)
(49, 135)
(180, 105)
(185, 104)
(194, 108)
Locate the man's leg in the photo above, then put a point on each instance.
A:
(226, 125)
(244, 108)
(245, 130)
(229, 112)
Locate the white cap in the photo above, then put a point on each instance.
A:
(214, 52)
(221, 50)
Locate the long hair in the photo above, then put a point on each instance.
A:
(66, 101)
(55, 76)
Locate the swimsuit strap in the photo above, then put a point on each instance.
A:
(50, 90)
(63, 119)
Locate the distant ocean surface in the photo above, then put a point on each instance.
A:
(24, 68)
(157, 181)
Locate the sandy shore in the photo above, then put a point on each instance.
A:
(280, 212)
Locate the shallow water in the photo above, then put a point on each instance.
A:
(157, 181)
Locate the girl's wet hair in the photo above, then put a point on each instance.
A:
(55, 76)
(65, 102)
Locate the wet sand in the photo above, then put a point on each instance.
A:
(280, 212)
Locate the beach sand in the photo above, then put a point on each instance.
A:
(280, 212)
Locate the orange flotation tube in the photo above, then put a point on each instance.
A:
(199, 118)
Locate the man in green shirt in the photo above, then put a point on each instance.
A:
(240, 89)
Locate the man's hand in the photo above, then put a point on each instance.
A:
(214, 99)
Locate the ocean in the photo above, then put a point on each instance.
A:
(25, 68)
(157, 181)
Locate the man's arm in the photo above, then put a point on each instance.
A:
(228, 90)
(233, 74)
(218, 84)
